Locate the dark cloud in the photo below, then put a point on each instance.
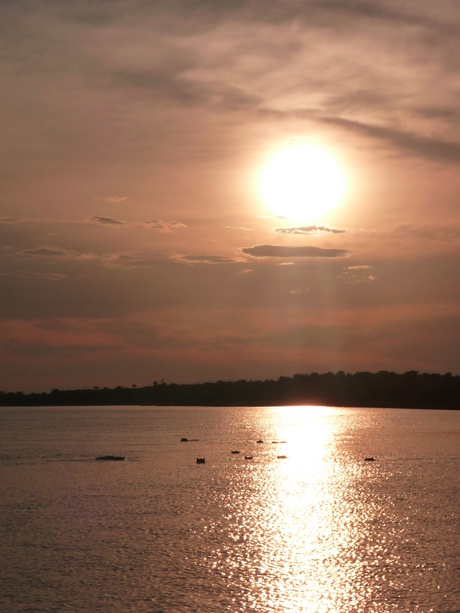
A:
(169, 82)
(309, 230)
(108, 221)
(209, 259)
(46, 252)
(31, 276)
(378, 11)
(278, 251)
(158, 225)
(421, 146)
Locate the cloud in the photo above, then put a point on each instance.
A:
(208, 259)
(158, 225)
(114, 199)
(421, 146)
(8, 219)
(163, 226)
(132, 260)
(278, 251)
(437, 232)
(108, 221)
(169, 82)
(357, 274)
(46, 252)
(309, 230)
(298, 291)
(31, 276)
(238, 228)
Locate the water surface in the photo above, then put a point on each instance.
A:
(319, 531)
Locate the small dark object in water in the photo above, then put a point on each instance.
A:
(370, 459)
(282, 457)
(274, 442)
(184, 440)
(248, 457)
(200, 460)
(235, 452)
(260, 441)
(111, 458)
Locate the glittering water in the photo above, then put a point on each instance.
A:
(319, 531)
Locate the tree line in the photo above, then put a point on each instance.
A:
(361, 389)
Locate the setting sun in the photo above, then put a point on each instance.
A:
(302, 183)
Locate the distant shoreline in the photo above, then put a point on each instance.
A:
(362, 389)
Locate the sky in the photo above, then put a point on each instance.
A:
(137, 241)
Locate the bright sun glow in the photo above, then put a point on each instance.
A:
(302, 183)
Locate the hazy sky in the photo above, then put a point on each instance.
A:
(136, 242)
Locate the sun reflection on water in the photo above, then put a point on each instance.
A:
(294, 534)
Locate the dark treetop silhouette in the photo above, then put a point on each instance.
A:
(362, 389)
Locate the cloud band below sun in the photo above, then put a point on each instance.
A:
(309, 230)
(279, 251)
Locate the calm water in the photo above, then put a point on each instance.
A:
(320, 531)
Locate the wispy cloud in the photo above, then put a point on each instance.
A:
(8, 220)
(114, 199)
(435, 232)
(21, 275)
(159, 225)
(427, 147)
(163, 226)
(208, 259)
(51, 252)
(309, 230)
(45, 252)
(238, 228)
(278, 251)
(132, 260)
(298, 291)
(357, 274)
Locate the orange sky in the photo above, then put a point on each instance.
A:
(136, 244)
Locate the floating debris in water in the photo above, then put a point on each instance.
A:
(200, 460)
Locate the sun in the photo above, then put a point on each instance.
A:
(302, 183)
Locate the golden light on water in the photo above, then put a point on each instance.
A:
(302, 183)
(300, 532)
